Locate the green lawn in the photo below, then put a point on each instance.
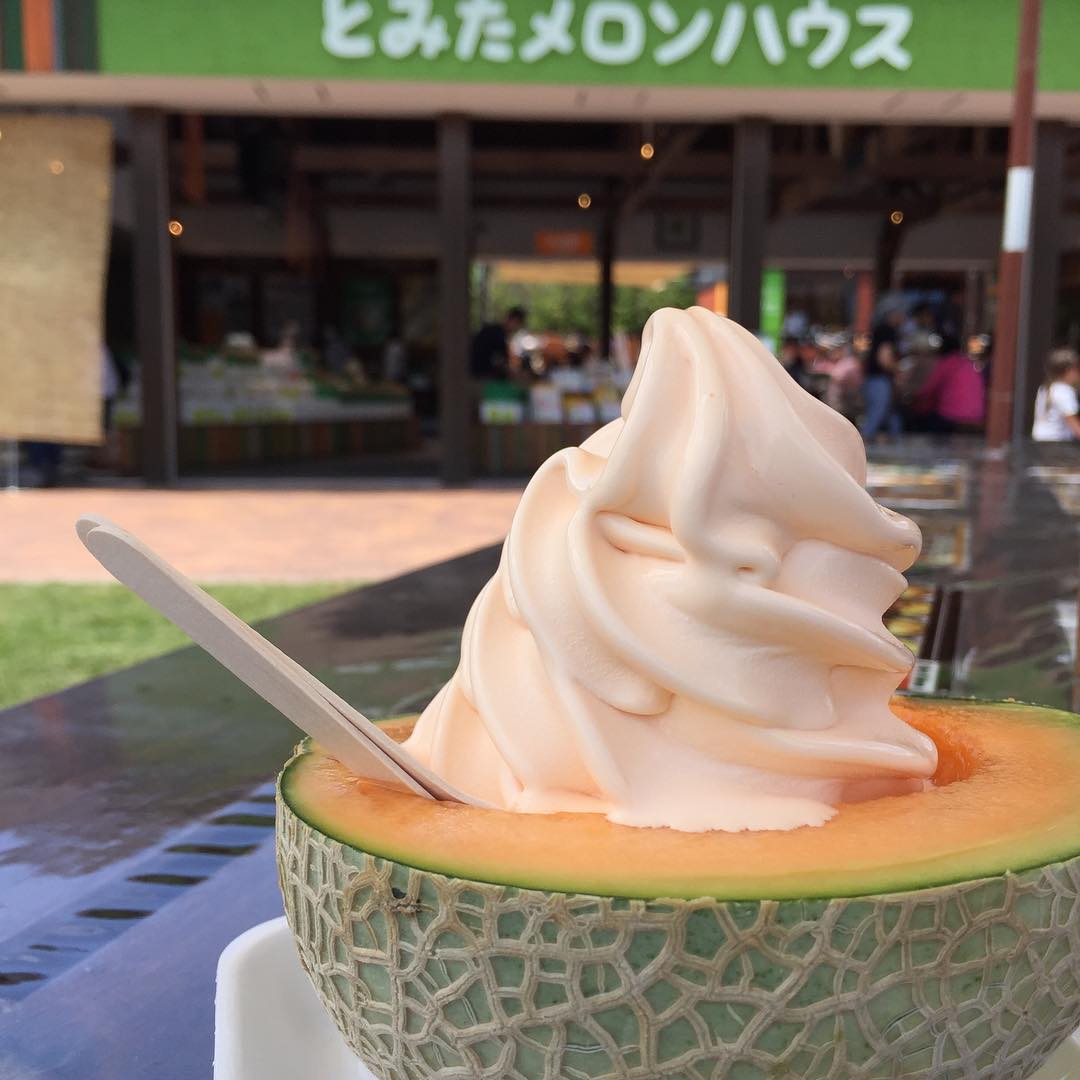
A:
(55, 635)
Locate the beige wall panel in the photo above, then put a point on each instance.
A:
(55, 203)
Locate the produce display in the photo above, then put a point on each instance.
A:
(564, 396)
(213, 390)
(715, 845)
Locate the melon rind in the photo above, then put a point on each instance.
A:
(430, 977)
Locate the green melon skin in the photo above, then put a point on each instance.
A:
(428, 976)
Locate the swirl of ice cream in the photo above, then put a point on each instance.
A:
(685, 626)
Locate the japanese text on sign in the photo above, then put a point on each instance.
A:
(620, 32)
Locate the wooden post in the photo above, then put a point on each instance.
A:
(1015, 232)
(865, 299)
(455, 236)
(39, 36)
(889, 239)
(973, 303)
(606, 256)
(193, 180)
(749, 218)
(155, 340)
(1039, 292)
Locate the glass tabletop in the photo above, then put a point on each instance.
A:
(136, 814)
(137, 826)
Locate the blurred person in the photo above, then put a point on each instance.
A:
(953, 398)
(336, 351)
(395, 361)
(811, 355)
(920, 348)
(114, 380)
(789, 352)
(796, 325)
(579, 352)
(844, 392)
(952, 315)
(879, 384)
(45, 458)
(919, 329)
(792, 356)
(1056, 404)
(286, 356)
(489, 357)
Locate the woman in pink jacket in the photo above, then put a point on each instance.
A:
(954, 397)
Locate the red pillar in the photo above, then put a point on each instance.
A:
(1015, 232)
(864, 302)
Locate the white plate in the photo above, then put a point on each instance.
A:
(271, 1026)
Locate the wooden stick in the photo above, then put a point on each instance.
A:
(278, 679)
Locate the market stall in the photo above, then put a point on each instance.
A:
(237, 410)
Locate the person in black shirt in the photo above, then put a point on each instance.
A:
(791, 356)
(879, 385)
(489, 357)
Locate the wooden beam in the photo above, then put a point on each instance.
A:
(38, 35)
(220, 155)
(667, 159)
(799, 195)
(749, 218)
(455, 244)
(365, 159)
(606, 256)
(155, 342)
(889, 238)
(193, 179)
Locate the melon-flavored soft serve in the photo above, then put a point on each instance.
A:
(685, 627)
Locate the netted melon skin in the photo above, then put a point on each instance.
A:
(432, 977)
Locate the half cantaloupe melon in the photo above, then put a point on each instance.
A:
(927, 935)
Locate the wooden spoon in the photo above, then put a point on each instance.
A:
(349, 735)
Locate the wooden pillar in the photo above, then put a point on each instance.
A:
(749, 218)
(1015, 234)
(606, 255)
(78, 34)
(974, 304)
(39, 37)
(865, 299)
(889, 241)
(1040, 283)
(193, 179)
(155, 340)
(455, 238)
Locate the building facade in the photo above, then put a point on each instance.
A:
(319, 157)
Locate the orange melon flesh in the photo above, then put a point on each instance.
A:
(1006, 798)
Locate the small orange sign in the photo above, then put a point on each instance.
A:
(714, 297)
(563, 242)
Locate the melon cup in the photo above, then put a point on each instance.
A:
(927, 935)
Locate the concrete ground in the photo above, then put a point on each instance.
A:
(257, 532)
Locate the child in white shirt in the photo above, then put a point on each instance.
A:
(1056, 404)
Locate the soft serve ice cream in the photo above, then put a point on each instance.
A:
(685, 626)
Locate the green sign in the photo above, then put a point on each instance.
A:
(921, 44)
(773, 302)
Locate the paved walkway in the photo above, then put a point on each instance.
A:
(253, 533)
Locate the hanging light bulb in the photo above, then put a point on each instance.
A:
(647, 150)
(584, 200)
